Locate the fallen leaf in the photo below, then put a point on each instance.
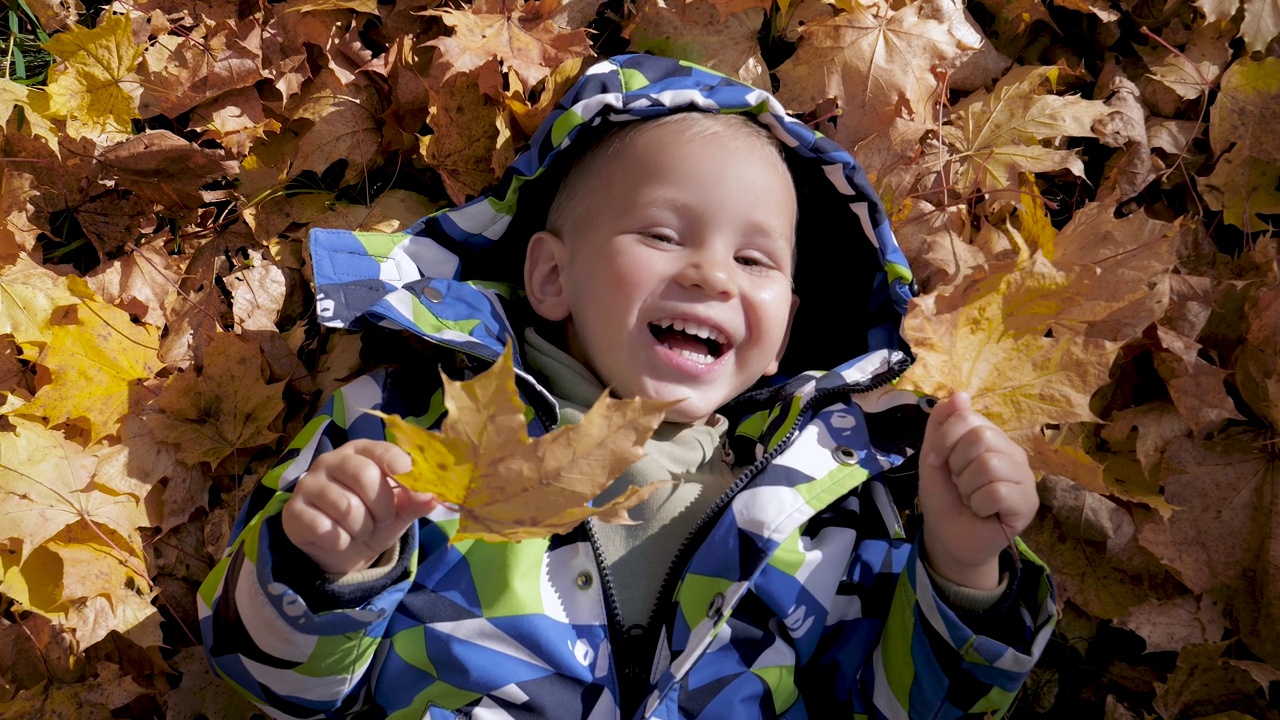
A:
(201, 693)
(1089, 541)
(1199, 392)
(1174, 624)
(700, 31)
(464, 133)
(1156, 423)
(92, 699)
(258, 290)
(33, 650)
(225, 408)
(94, 87)
(1223, 538)
(1257, 363)
(343, 126)
(875, 62)
(28, 295)
(95, 363)
(997, 136)
(181, 71)
(1193, 70)
(511, 487)
(143, 283)
(1205, 678)
(1261, 24)
(1020, 380)
(165, 168)
(484, 34)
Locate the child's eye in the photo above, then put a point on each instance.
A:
(659, 236)
(755, 262)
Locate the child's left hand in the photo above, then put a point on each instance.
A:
(974, 479)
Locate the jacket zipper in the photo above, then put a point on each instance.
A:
(666, 593)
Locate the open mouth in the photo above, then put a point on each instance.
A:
(699, 343)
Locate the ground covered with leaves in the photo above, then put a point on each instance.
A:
(1086, 188)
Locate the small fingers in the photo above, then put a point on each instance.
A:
(366, 480)
(949, 422)
(342, 506)
(310, 527)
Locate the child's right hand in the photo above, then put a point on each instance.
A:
(347, 510)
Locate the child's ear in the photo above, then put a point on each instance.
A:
(786, 336)
(544, 263)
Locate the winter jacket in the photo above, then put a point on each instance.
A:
(800, 594)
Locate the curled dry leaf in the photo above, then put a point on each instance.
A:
(511, 487)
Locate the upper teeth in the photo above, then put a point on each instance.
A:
(693, 328)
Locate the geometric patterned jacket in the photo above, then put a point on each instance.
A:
(800, 594)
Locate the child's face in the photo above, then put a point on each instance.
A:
(674, 279)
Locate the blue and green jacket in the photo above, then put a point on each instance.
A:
(801, 594)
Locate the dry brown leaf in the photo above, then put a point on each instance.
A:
(1174, 624)
(258, 289)
(226, 408)
(1198, 390)
(875, 62)
(1257, 363)
(1156, 423)
(89, 700)
(344, 126)
(464, 134)
(33, 650)
(488, 40)
(143, 283)
(201, 693)
(164, 168)
(1223, 536)
(511, 487)
(235, 119)
(703, 32)
(182, 71)
(1204, 679)
(1106, 576)
(17, 233)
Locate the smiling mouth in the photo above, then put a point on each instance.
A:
(699, 343)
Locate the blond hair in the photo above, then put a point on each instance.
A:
(567, 205)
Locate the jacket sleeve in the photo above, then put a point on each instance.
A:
(260, 634)
(902, 652)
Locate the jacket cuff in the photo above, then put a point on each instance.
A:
(322, 591)
(962, 597)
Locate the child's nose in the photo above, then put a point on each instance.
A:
(709, 273)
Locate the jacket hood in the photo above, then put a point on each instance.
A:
(443, 278)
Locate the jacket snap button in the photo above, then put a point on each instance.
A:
(716, 605)
(584, 579)
(432, 294)
(845, 455)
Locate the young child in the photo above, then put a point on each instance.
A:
(773, 578)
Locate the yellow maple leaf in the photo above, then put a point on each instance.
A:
(94, 87)
(95, 362)
(28, 294)
(47, 489)
(997, 136)
(512, 487)
(1019, 378)
(35, 105)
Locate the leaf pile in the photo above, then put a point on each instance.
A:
(1086, 188)
(508, 486)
